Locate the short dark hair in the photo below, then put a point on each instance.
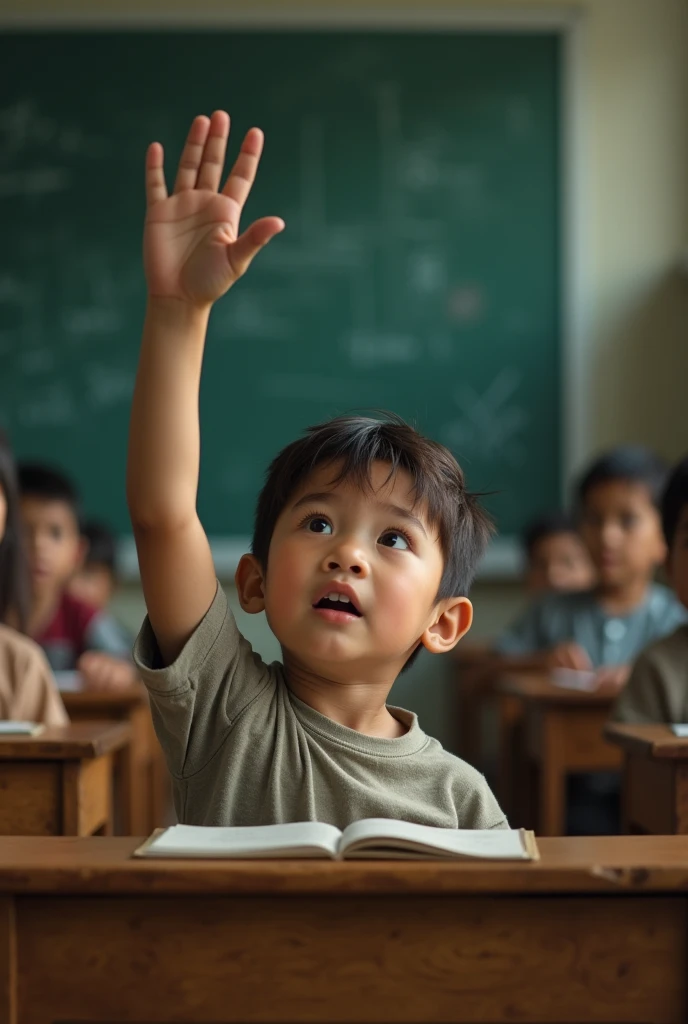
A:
(547, 525)
(37, 480)
(102, 545)
(354, 443)
(674, 499)
(629, 462)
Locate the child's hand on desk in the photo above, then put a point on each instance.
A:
(104, 672)
(568, 655)
(192, 248)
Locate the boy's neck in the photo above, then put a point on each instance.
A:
(357, 705)
(623, 599)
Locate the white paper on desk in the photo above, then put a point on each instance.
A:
(575, 679)
(69, 682)
(680, 730)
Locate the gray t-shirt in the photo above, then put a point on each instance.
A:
(658, 688)
(243, 750)
(579, 617)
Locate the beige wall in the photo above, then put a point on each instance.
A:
(632, 343)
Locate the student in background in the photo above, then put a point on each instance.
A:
(556, 557)
(95, 582)
(73, 634)
(657, 690)
(27, 688)
(606, 627)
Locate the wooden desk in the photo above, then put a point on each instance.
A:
(145, 785)
(562, 732)
(60, 782)
(655, 780)
(308, 941)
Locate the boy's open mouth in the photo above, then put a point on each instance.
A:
(338, 603)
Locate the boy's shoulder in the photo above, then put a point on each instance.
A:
(667, 654)
(475, 803)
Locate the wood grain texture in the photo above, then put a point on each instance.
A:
(69, 742)
(30, 798)
(87, 797)
(652, 740)
(8, 961)
(361, 959)
(598, 864)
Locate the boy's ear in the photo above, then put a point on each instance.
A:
(453, 619)
(248, 580)
(81, 553)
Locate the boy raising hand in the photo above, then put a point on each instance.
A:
(365, 543)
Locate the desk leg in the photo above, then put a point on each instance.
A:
(87, 797)
(8, 960)
(681, 799)
(552, 782)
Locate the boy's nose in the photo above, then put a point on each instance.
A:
(348, 559)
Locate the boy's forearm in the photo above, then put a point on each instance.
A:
(164, 440)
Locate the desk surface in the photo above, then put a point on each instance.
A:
(104, 701)
(69, 742)
(97, 865)
(652, 740)
(536, 688)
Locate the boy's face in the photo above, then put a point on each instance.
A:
(53, 543)
(559, 561)
(622, 530)
(93, 584)
(678, 558)
(374, 548)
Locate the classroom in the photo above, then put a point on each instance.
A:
(343, 511)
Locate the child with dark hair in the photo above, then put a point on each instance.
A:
(27, 688)
(365, 543)
(606, 627)
(556, 558)
(95, 581)
(657, 690)
(74, 635)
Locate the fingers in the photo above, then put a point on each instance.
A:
(243, 173)
(192, 154)
(156, 189)
(242, 252)
(213, 159)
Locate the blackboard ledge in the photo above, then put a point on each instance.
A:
(503, 560)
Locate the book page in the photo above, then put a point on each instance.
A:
(381, 833)
(296, 839)
(680, 730)
(17, 728)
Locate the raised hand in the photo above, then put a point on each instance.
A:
(192, 248)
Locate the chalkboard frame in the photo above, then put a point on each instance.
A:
(503, 560)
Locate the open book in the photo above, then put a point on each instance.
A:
(17, 728)
(370, 838)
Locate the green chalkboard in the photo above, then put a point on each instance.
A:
(418, 177)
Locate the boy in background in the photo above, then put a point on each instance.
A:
(73, 634)
(365, 542)
(657, 690)
(605, 628)
(556, 557)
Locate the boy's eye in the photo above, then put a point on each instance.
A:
(392, 539)
(629, 521)
(319, 525)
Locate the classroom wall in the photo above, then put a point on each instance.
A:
(632, 348)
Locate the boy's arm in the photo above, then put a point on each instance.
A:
(193, 253)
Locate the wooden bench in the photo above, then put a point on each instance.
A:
(88, 934)
(145, 783)
(554, 731)
(60, 783)
(655, 778)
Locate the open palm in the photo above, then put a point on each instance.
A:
(192, 248)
